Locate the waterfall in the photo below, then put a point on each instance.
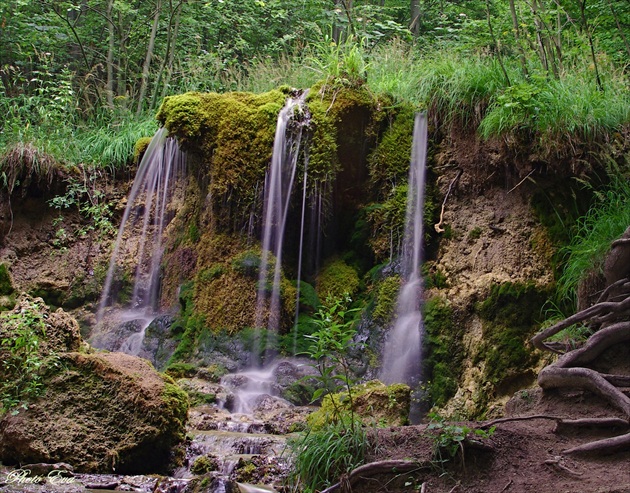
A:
(403, 348)
(162, 165)
(277, 192)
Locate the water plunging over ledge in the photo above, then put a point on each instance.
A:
(278, 187)
(402, 355)
(145, 217)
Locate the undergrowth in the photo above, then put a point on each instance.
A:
(606, 221)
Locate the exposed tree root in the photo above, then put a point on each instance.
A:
(438, 226)
(564, 423)
(609, 318)
(375, 468)
(611, 445)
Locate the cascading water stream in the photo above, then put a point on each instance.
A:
(402, 355)
(158, 173)
(278, 187)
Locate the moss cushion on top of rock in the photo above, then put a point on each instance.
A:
(373, 402)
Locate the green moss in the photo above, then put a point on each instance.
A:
(140, 148)
(204, 464)
(6, 286)
(389, 162)
(180, 370)
(336, 279)
(510, 315)
(445, 353)
(385, 299)
(373, 402)
(247, 263)
(234, 132)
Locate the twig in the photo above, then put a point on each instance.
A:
(438, 226)
(506, 486)
(521, 182)
(456, 487)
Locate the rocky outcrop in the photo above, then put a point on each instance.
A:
(99, 412)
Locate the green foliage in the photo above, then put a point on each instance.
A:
(23, 364)
(449, 439)
(322, 456)
(606, 221)
(90, 201)
(340, 63)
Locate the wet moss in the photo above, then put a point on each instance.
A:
(445, 354)
(385, 299)
(389, 162)
(140, 148)
(510, 316)
(234, 133)
(6, 285)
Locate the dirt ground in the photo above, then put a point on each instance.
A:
(519, 457)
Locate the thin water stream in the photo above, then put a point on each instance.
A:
(402, 355)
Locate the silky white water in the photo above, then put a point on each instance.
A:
(402, 354)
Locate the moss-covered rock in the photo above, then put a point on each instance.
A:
(373, 402)
(336, 279)
(510, 316)
(98, 412)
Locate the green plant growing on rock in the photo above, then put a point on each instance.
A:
(329, 348)
(22, 362)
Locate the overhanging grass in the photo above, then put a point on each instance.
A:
(605, 222)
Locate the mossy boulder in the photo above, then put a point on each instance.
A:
(99, 412)
(336, 279)
(373, 402)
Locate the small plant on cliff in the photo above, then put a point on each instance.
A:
(22, 363)
(322, 455)
(329, 348)
(449, 440)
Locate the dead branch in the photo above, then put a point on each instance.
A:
(438, 226)
(375, 468)
(509, 483)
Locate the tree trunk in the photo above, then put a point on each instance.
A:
(496, 44)
(619, 28)
(110, 56)
(147, 61)
(517, 38)
(590, 43)
(414, 26)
